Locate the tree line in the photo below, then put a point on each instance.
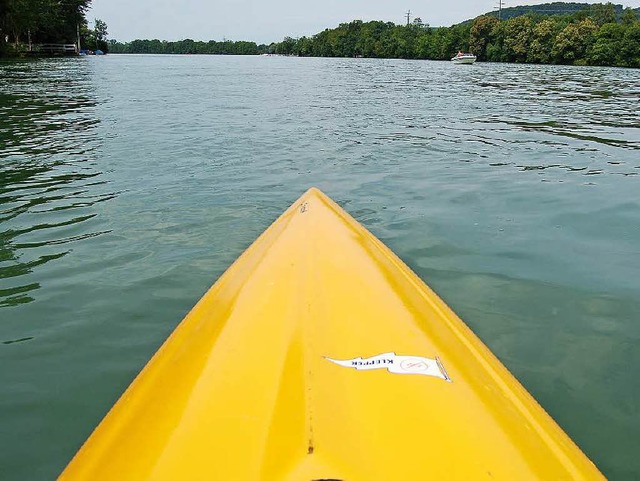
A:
(188, 46)
(596, 35)
(600, 34)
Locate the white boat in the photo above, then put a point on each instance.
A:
(464, 58)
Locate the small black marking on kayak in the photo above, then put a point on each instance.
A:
(443, 370)
(310, 449)
(304, 207)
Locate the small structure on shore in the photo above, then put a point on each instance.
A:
(53, 49)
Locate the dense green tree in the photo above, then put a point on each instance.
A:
(100, 33)
(628, 17)
(518, 33)
(543, 36)
(60, 20)
(41, 21)
(630, 51)
(22, 18)
(457, 39)
(422, 45)
(608, 45)
(603, 13)
(481, 35)
(286, 47)
(4, 5)
(573, 41)
(495, 48)
(419, 23)
(95, 39)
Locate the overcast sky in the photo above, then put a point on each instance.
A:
(272, 20)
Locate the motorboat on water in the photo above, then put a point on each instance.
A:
(464, 58)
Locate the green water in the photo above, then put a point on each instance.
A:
(129, 184)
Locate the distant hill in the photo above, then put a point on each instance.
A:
(555, 8)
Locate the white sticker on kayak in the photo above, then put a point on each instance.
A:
(397, 364)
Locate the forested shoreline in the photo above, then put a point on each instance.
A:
(594, 36)
(599, 34)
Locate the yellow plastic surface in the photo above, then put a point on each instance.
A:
(243, 389)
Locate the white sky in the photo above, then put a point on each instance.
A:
(270, 21)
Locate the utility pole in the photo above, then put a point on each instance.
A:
(408, 14)
(500, 5)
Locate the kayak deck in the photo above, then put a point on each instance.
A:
(276, 374)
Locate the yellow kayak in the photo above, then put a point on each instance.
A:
(319, 355)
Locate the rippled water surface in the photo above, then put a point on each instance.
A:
(129, 183)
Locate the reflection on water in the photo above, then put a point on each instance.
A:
(510, 117)
(48, 182)
(573, 110)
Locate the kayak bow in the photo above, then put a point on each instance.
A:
(319, 355)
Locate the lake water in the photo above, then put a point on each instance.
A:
(129, 183)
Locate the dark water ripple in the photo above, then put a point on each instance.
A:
(129, 183)
(48, 182)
